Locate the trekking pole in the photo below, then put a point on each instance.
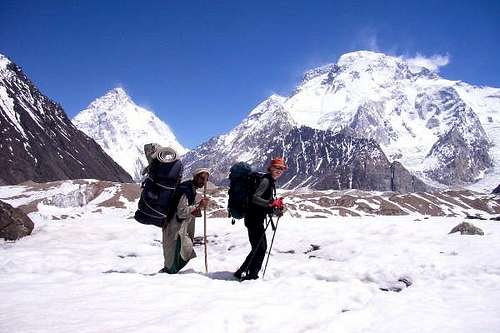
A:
(205, 226)
(270, 247)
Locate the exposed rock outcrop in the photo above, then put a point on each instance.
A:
(466, 228)
(14, 223)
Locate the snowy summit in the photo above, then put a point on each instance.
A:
(3, 61)
(413, 113)
(39, 142)
(121, 128)
(445, 132)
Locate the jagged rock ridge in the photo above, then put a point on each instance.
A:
(38, 142)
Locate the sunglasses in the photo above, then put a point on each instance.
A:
(280, 168)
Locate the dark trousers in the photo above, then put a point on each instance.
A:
(257, 238)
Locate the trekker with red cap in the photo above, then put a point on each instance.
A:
(261, 204)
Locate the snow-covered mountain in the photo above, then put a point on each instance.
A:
(266, 123)
(321, 159)
(444, 131)
(122, 128)
(424, 121)
(38, 141)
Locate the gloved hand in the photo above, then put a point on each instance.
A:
(277, 206)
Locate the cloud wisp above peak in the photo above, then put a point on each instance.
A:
(367, 40)
(433, 63)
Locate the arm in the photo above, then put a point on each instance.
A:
(184, 209)
(257, 197)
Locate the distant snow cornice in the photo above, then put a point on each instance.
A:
(5, 72)
(350, 59)
(4, 61)
(367, 61)
(270, 103)
(370, 60)
(112, 100)
(318, 71)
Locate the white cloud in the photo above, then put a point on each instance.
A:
(432, 63)
(372, 43)
(367, 40)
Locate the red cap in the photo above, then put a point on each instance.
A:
(278, 162)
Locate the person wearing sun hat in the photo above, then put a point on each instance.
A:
(260, 206)
(178, 233)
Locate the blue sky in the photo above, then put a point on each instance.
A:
(201, 66)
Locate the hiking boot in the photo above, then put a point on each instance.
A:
(250, 276)
(163, 270)
(238, 274)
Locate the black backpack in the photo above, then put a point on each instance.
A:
(243, 182)
(158, 191)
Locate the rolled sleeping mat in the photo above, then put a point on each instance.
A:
(165, 155)
(162, 154)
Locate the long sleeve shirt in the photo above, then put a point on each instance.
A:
(185, 210)
(261, 189)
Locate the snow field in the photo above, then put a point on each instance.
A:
(90, 274)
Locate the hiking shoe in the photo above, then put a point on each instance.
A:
(238, 274)
(249, 276)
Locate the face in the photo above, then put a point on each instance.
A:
(200, 179)
(276, 172)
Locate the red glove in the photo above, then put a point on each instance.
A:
(277, 207)
(278, 203)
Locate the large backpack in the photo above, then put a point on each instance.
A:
(163, 176)
(243, 182)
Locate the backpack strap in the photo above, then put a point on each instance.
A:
(272, 183)
(159, 215)
(262, 199)
(160, 185)
(186, 188)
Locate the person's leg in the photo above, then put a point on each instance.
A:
(169, 243)
(257, 238)
(166, 247)
(259, 245)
